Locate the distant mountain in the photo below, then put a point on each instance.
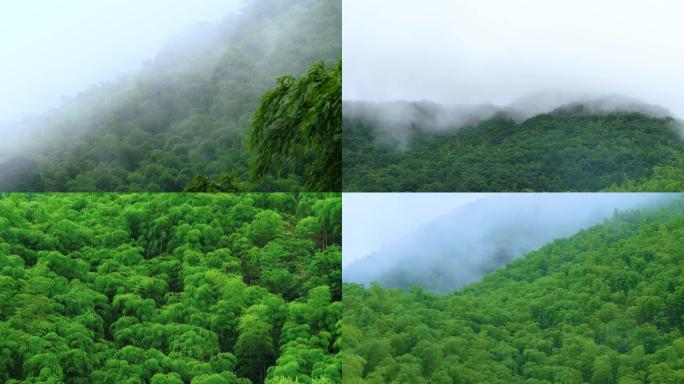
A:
(465, 245)
(186, 113)
(581, 146)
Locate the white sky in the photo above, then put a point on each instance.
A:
(373, 220)
(475, 51)
(50, 49)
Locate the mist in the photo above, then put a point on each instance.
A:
(54, 50)
(109, 89)
(464, 244)
(528, 56)
(392, 218)
(393, 121)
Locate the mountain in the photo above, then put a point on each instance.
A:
(576, 147)
(603, 306)
(186, 113)
(465, 245)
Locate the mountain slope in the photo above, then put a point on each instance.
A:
(604, 306)
(185, 114)
(571, 149)
(463, 246)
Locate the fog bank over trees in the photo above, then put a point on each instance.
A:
(471, 241)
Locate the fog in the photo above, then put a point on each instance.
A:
(462, 245)
(375, 220)
(531, 55)
(52, 50)
(394, 120)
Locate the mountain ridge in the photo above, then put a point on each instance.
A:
(567, 150)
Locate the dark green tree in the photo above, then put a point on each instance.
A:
(298, 128)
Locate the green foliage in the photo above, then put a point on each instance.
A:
(168, 288)
(227, 182)
(568, 150)
(266, 226)
(665, 178)
(603, 306)
(182, 122)
(298, 125)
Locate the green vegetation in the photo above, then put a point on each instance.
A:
(566, 150)
(170, 288)
(299, 125)
(183, 121)
(605, 306)
(665, 178)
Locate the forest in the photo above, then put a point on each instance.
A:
(197, 117)
(170, 288)
(605, 306)
(568, 149)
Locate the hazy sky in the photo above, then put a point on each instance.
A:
(476, 51)
(50, 49)
(372, 220)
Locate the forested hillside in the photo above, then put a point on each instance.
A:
(569, 149)
(186, 114)
(604, 306)
(466, 244)
(170, 288)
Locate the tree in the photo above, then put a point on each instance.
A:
(254, 347)
(266, 226)
(298, 125)
(226, 182)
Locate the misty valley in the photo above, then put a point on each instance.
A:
(252, 103)
(585, 146)
(591, 294)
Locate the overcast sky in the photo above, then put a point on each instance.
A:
(373, 220)
(50, 49)
(477, 51)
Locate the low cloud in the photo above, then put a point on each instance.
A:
(394, 120)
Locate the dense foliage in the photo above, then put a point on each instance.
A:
(171, 288)
(604, 306)
(665, 178)
(185, 116)
(299, 125)
(567, 150)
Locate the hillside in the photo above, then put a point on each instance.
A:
(169, 288)
(570, 149)
(604, 306)
(462, 246)
(185, 114)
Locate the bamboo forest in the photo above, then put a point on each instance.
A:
(603, 306)
(170, 288)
